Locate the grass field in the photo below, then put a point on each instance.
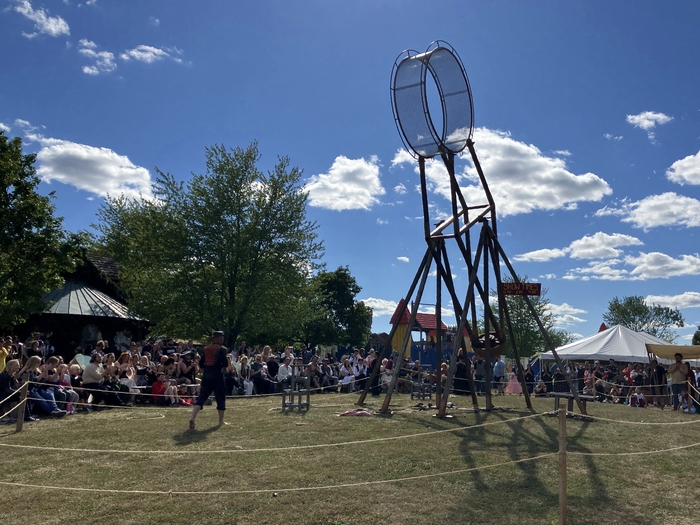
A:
(409, 468)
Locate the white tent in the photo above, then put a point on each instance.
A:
(618, 343)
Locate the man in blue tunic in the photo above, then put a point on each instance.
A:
(214, 363)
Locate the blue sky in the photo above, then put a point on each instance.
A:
(587, 120)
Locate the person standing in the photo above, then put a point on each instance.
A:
(499, 372)
(215, 363)
(678, 371)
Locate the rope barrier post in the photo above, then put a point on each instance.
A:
(21, 410)
(562, 465)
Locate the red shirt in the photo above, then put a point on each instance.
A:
(158, 389)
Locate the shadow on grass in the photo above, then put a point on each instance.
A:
(187, 437)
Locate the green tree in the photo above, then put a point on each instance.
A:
(528, 337)
(634, 313)
(33, 247)
(696, 337)
(333, 315)
(231, 249)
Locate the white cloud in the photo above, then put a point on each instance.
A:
(103, 60)
(548, 276)
(685, 171)
(659, 265)
(562, 152)
(684, 300)
(380, 306)
(150, 54)
(601, 270)
(382, 222)
(567, 320)
(403, 259)
(49, 25)
(520, 177)
(597, 246)
(543, 255)
(647, 120)
(99, 171)
(4, 127)
(601, 245)
(612, 137)
(667, 209)
(155, 22)
(400, 189)
(564, 309)
(402, 156)
(350, 184)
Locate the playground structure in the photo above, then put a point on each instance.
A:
(471, 228)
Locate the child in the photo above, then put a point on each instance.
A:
(637, 398)
(164, 393)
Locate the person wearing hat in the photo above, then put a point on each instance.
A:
(214, 363)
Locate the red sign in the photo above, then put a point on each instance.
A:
(521, 288)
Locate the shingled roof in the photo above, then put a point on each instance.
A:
(424, 322)
(78, 298)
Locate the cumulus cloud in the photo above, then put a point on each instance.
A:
(4, 127)
(103, 61)
(403, 259)
(402, 156)
(400, 189)
(597, 246)
(565, 315)
(99, 171)
(667, 209)
(350, 184)
(684, 300)
(542, 255)
(564, 309)
(648, 120)
(380, 306)
(685, 171)
(644, 266)
(520, 177)
(659, 265)
(150, 54)
(43, 22)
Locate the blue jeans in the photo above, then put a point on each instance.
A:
(676, 392)
(44, 399)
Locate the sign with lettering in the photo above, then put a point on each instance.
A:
(521, 288)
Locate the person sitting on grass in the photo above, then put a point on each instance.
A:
(637, 398)
(540, 389)
(347, 376)
(164, 393)
(616, 393)
(257, 375)
(329, 381)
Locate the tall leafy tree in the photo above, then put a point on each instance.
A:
(332, 313)
(634, 313)
(230, 249)
(696, 337)
(33, 247)
(528, 336)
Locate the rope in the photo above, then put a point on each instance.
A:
(293, 489)
(691, 422)
(274, 449)
(633, 453)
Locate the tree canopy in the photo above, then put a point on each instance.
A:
(528, 337)
(231, 249)
(333, 314)
(634, 313)
(34, 250)
(696, 337)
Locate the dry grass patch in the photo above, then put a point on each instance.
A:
(265, 452)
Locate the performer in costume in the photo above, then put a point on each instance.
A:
(215, 363)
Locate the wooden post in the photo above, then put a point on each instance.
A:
(562, 465)
(23, 402)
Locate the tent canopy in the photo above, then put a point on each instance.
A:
(669, 351)
(618, 343)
